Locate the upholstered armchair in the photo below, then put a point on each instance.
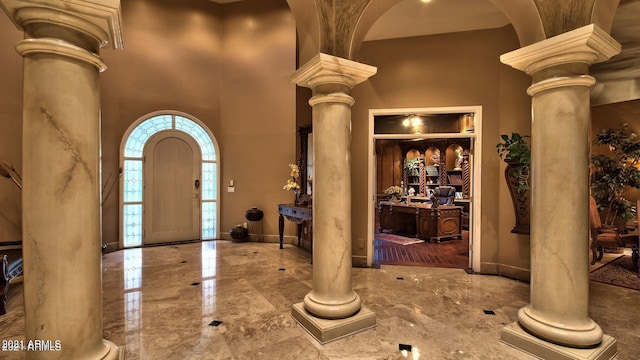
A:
(445, 194)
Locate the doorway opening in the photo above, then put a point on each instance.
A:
(169, 165)
(423, 167)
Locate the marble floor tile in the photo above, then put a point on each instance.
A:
(232, 301)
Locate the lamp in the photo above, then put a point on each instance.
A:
(7, 170)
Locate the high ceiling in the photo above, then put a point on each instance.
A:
(429, 17)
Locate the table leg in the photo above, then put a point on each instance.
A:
(281, 229)
(299, 234)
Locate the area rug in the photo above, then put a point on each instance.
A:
(400, 240)
(618, 272)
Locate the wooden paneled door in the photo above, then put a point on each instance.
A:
(172, 162)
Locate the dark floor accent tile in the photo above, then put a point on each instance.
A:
(282, 269)
(215, 323)
(195, 284)
(399, 278)
(183, 262)
(404, 347)
(489, 312)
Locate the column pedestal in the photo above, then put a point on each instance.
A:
(332, 309)
(514, 335)
(556, 323)
(324, 330)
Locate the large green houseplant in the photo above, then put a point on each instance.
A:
(611, 173)
(515, 151)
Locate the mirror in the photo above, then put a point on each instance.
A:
(305, 162)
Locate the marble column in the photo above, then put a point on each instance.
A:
(332, 309)
(61, 173)
(556, 323)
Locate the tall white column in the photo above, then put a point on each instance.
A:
(61, 173)
(556, 323)
(332, 309)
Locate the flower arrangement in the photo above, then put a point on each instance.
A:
(413, 165)
(393, 190)
(293, 183)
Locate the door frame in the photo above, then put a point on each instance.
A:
(475, 156)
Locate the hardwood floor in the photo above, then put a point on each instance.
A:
(448, 253)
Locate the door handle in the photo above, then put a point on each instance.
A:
(197, 184)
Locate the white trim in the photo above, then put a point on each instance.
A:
(476, 158)
(123, 142)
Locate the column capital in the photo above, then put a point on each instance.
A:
(27, 47)
(327, 69)
(100, 19)
(588, 44)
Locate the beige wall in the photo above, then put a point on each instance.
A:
(459, 69)
(258, 127)
(227, 66)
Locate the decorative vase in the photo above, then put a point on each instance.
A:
(254, 214)
(520, 199)
(239, 233)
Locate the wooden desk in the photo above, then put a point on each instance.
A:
(298, 215)
(421, 220)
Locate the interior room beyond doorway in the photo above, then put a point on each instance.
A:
(422, 189)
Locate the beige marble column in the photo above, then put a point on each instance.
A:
(332, 309)
(61, 173)
(556, 323)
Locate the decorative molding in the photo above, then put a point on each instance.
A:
(59, 47)
(587, 44)
(332, 98)
(561, 81)
(323, 69)
(104, 15)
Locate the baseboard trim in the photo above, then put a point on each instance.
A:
(508, 271)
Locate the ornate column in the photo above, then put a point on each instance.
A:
(61, 168)
(332, 309)
(556, 323)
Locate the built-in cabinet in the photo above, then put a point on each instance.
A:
(427, 164)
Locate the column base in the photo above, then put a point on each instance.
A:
(514, 335)
(324, 330)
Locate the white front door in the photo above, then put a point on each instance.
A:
(172, 163)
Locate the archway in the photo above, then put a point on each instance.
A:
(132, 180)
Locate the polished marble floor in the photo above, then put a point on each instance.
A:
(164, 303)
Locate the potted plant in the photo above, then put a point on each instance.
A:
(613, 172)
(515, 151)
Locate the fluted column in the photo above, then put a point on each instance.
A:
(61, 173)
(332, 297)
(558, 314)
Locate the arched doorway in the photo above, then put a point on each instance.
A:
(174, 137)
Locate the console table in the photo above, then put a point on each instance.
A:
(421, 220)
(298, 215)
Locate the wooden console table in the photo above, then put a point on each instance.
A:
(421, 220)
(298, 215)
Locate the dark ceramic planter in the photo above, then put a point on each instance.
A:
(521, 200)
(254, 214)
(239, 233)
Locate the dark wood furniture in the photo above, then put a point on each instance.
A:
(421, 220)
(12, 267)
(298, 215)
(610, 238)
